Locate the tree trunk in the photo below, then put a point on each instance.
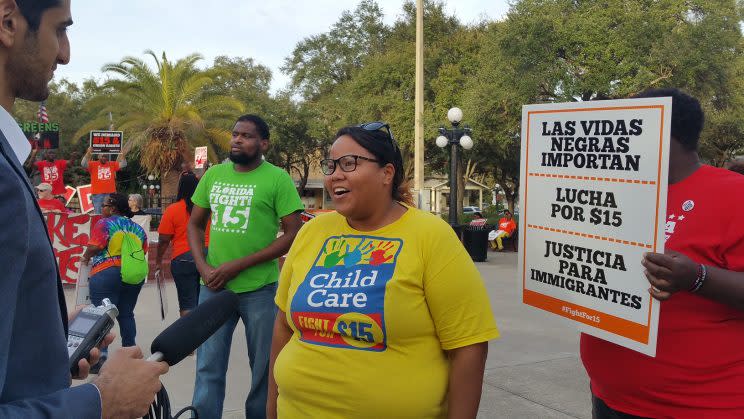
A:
(303, 173)
(169, 185)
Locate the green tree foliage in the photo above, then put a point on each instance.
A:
(321, 62)
(293, 145)
(164, 111)
(564, 50)
(363, 70)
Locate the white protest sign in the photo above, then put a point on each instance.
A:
(593, 201)
(200, 157)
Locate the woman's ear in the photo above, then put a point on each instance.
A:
(388, 173)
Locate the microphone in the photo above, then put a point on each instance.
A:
(187, 333)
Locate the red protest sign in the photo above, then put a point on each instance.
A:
(69, 194)
(69, 234)
(84, 194)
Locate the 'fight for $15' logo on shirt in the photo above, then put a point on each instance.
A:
(341, 302)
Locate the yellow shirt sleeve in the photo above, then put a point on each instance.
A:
(455, 293)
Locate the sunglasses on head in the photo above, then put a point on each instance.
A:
(376, 126)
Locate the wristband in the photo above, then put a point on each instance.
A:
(701, 276)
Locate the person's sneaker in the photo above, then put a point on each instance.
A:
(96, 368)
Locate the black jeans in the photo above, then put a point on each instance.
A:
(186, 277)
(600, 410)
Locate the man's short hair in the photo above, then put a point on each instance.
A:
(687, 115)
(261, 125)
(33, 9)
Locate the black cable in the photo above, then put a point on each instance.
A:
(160, 408)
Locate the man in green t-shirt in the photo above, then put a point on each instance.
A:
(245, 198)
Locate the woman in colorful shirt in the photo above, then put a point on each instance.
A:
(382, 311)
(104, 254)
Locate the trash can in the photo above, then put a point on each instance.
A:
(475, 240)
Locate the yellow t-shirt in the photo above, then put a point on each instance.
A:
(372, 313)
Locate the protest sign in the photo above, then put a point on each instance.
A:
(84, 195)
(593, 201)
(106, 142)
(69, 194)
(200, 157)
(69, 234)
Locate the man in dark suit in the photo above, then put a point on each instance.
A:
(34, 370)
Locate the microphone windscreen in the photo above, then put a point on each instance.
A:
(187, 333)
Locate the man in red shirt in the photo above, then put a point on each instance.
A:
(698, 371)
(47, 202)
(102, 176)
(51, 170)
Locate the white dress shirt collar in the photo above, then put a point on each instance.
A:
(18, 142)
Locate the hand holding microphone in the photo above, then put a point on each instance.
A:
(128, 383)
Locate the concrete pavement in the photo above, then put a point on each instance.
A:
(533, 370)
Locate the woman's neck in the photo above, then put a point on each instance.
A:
(378, 219)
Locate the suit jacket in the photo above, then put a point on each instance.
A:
(34, 364)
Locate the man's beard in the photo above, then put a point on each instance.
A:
(30, 81)
(244, 159)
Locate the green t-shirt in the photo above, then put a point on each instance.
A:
(246, 209)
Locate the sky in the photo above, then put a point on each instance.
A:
(106, 31)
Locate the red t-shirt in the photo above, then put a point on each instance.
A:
(698, 371)
(52, 173)
(103, 177)
(174, 222)
(51, 205)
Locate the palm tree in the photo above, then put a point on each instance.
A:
(164, 113)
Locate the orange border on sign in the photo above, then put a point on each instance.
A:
(590, 236)
(613, 324)
(605, 179)
(609, 323)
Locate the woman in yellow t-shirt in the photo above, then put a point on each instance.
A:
(382, 311)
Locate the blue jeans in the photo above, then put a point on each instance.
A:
(108, 284)
(186, 277)
(98, 202)
(257, 310)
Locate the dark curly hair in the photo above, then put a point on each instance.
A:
(687, 115)
(261, 126)
(120, 204)
(386, 150)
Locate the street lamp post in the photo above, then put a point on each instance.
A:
(454, 137)
(151, 187)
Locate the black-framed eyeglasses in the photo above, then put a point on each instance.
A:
(377, 125)
(347, 163)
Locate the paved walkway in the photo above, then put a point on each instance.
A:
(533, 370)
